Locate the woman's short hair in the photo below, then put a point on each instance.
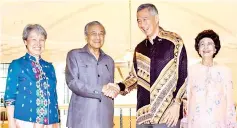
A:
(33, 27)
(208, 34)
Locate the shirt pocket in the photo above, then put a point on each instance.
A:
(107, 74)
(83, 72)
(22, 79)
(24, 85)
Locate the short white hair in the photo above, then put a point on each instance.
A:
(90, 24)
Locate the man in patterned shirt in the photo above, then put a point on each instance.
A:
(159, 73)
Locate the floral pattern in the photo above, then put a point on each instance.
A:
(210, 99)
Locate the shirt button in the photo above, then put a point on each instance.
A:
(96, 92)
(98, 75)
(97, 63)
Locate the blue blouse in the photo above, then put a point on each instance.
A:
(31, 88)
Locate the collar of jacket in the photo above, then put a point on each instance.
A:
(32, 58)
(156, 39)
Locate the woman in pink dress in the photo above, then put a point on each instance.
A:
(210, 87)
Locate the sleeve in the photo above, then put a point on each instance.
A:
(189, 91)
(11, 83)
(231, 113)
(73, 81)
(55, 90)
(179, 93)
(131, 81)
(55, 79)
(112, 69)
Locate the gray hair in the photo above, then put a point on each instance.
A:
(91, 24)
(33, 27)
(151, 8)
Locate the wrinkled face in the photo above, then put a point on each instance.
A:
(35, 43)
(147, 22)
(207, 47)
(95, 37)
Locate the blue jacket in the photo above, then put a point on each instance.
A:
(31, 88)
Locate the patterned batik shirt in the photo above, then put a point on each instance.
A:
(159, 73)
(31, 89)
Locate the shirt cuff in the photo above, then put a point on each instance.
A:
(121, 86)
(9, 102)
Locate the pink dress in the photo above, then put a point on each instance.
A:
(210, 97)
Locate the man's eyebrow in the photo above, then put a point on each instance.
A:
(141, 18)
(95, 31)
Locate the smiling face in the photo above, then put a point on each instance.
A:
(147, 22)
(207, 47)
(95, 37)
(35, 43)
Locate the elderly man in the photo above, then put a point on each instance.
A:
(88, 72)
(159, 73)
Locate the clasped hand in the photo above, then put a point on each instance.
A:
(111, 90)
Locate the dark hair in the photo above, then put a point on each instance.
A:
(152, 8)
(209, 34)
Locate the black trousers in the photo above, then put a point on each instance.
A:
(157, 125)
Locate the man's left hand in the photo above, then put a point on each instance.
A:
(171, 116)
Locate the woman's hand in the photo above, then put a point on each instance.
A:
(10, 116)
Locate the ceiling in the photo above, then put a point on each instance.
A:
(64, 21)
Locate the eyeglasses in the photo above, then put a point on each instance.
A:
(101, 34)
(202, 44)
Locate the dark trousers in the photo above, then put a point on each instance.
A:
(157, 125)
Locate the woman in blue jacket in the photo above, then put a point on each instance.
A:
(31, 96)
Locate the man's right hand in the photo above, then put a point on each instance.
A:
(111, 90)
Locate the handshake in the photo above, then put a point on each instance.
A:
(111, 90)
